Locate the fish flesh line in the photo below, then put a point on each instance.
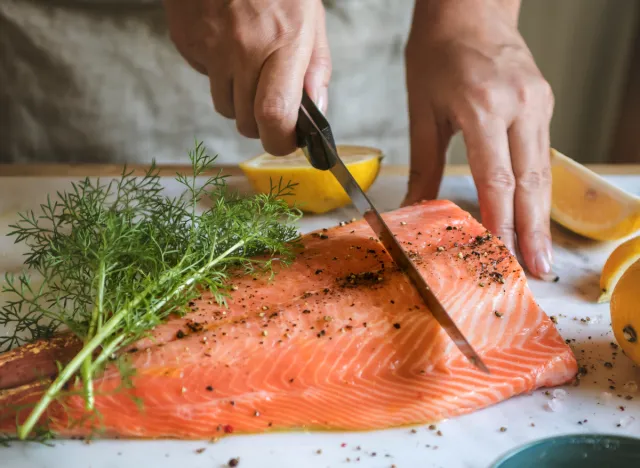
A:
(338, 340)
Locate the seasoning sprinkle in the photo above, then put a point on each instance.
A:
(265, 333)
(498, 314)
(234, 462)
(630, 334)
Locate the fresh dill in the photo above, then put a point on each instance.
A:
(117, 258)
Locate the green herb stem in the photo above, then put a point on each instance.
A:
(118, 259)
(96, 318)
(84, 356)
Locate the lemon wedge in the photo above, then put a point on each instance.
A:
(625, 318)
(589, 205)
(317, 191)
(620, 260)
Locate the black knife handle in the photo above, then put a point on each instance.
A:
(313, 145)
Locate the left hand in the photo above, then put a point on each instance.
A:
(469, 69)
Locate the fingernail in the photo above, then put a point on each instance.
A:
(543, 262)
(321, 100)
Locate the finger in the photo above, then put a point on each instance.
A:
(529, 145)
(222, 95)
(488, 153)
(221, 83)
(429, 143)
(279, 95)
(316, 80)
(244, 95)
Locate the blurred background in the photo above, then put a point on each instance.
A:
(99, 81)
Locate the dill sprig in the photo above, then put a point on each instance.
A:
(117, 258)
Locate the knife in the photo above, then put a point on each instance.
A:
(315, 138)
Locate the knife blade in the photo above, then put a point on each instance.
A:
(316, 140)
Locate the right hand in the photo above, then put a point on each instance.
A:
(258, 55)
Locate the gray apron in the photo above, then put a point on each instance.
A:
(100, 81)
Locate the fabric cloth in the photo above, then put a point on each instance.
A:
(100, 81)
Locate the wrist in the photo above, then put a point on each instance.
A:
(442, 18)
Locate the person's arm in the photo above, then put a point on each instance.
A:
(469, 70)
(258, 55)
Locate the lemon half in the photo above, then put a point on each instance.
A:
(620, 260)
(589, 205)
(625, 312)
(316, 191)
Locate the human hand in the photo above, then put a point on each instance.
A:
(258, 55)
(469, 69)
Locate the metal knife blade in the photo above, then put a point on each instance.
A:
(331, 161)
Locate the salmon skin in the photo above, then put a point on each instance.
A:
(338, 340)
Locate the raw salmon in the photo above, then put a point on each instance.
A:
(338, 340)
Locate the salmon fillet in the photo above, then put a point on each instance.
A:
(338, 340)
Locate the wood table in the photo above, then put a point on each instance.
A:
(104, 170)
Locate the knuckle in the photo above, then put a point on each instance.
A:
(322, 60)
(273, 110)
(530, 180)
(548, 96)
(485, 96)
(533, 180)
(239, 34)
(501, 179)
(525, 93)
(505, 231)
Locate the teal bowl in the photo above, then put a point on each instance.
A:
(580, 450)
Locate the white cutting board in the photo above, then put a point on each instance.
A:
(474, 440)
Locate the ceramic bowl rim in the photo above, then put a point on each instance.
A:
(514, 451)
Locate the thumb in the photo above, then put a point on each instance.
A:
(429, 142)
(316, 80)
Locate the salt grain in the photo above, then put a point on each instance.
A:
(554, 405)
(626, 421)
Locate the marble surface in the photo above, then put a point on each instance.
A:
(473, 440)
